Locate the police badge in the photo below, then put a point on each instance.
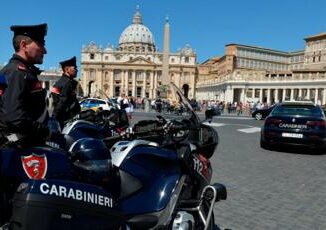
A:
(35, 166)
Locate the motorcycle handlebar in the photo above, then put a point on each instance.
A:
(168, 128)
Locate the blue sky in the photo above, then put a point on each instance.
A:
(207, 25)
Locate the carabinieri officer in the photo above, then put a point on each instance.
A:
(23, 110)
(65, 103)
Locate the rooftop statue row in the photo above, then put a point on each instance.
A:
(93, 48)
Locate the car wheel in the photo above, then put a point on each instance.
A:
(258, 116)
(264, 144)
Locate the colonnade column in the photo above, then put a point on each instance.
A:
(323, 102)
(261, 95)
(268, 96)
(126, 82)
(316, 95)
(151, 87)
(193, 86)
(101, 83)
(133, 91)
(231, 94)
(228, 94)
(291, 94)
(122, 81)
(242, 95)
(111, 82)
(252, 94)
(144, 84)
(276, 96)
(300, 93)
(283, 94)
(308, 94)
(155, 85)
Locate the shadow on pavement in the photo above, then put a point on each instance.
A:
(298, 150)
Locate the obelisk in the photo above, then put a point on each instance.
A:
(166, 51)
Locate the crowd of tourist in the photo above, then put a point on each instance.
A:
(220, 107)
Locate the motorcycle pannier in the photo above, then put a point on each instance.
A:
(50, 204)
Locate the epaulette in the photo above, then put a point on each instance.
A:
(21, 66)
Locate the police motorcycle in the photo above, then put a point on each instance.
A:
(165, 170)
(88, 123)
(144, 183)
(22, 170)
(51, 188)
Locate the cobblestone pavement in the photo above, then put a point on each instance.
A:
(268, 189)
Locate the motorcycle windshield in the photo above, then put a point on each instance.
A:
(205, 137)
(180, 100)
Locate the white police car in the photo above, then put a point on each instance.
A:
(95, 104)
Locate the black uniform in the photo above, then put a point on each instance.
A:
(23, 108)
(65, 101)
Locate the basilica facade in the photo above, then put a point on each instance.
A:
(244, 73)
(136, 67)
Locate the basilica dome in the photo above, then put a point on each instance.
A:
(137, 37)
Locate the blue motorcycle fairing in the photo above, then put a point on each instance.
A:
(82, 129)
(159, 172)
(12, 166)
(68, 190)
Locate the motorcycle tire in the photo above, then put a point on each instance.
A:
(4, 216)
(212, 225)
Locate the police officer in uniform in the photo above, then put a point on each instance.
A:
(23, 111)
(65, 103)
(3, 86)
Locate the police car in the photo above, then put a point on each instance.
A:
(299, 123)
(95, 104)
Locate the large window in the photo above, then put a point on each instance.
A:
(117, 74)
(257, 93)
(117, 91)
(148, 76)
(249, 93)
(139, 76)
(138, 91)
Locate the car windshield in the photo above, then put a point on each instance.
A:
(304, 110)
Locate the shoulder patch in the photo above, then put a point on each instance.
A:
(36, 87)
(56, 90)
(2, 90)
(21, 66)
